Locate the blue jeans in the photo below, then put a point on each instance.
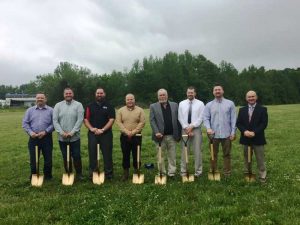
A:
(74, 153)
(46, 146)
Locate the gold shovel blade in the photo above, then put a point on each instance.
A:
(211, 176)
(98, 178)
(189, 178)
(250, 177)
(217, 176)
(68, 179)
(161, 180)
(37, 180)
(214, 175)
(138, 179)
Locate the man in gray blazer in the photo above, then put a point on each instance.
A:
(165, 129)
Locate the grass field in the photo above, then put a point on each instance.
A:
(203, 202)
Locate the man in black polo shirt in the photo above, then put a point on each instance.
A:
(99, 118)
(165, 128)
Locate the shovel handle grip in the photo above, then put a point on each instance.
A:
(185, 139)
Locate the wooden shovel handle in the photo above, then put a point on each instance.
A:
(249, 154)
(68, 158)
(186, 155)
(138, 156)
(36, 155)
(37, 160)
(159, 154)
(98, 152)
(212, 152)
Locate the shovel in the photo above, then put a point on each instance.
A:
(160, 179)
(138, 178)
(98, 177)
(37, 179)
(250, 177)
(187, 177)
(68, 178)
(213, 174)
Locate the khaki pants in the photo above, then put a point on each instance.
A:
(226, 147)
(194, 142)
(260, 159)
(168, 147)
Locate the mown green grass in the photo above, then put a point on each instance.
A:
(203, 202)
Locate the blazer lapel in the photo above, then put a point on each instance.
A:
(159, 111)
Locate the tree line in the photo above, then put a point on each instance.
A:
(174, 72)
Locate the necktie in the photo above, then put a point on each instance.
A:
(190, 113)
(251, 108)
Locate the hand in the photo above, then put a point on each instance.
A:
(189, 130)
(41, 134)
(33, 135)
(232, 137)
(93, 129)
(129, 134)
(65, 135)
(99, 131)
(249, 134)
(252, 134)
(158, 135)
(210, 131)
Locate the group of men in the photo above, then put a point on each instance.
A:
(168, 121)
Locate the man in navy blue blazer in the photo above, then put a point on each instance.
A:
(252, 121)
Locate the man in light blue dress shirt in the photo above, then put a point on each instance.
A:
(37, 123)
(219, 118)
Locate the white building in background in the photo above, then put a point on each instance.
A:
(3, 103)
(19, 100)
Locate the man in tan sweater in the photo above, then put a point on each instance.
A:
(131, 121)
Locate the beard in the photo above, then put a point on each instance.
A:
(100, 99)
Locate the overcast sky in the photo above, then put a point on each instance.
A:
(104, 35)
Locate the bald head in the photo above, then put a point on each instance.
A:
(251, 97)
(130, 100)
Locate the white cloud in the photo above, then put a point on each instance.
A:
(105, 35)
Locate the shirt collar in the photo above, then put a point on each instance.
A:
(251, 106)
(219, 100)
(69, 103)
(167, 103)
(192, 101)
(44, 107)
(130, 109)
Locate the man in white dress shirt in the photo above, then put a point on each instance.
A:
(190, 118)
